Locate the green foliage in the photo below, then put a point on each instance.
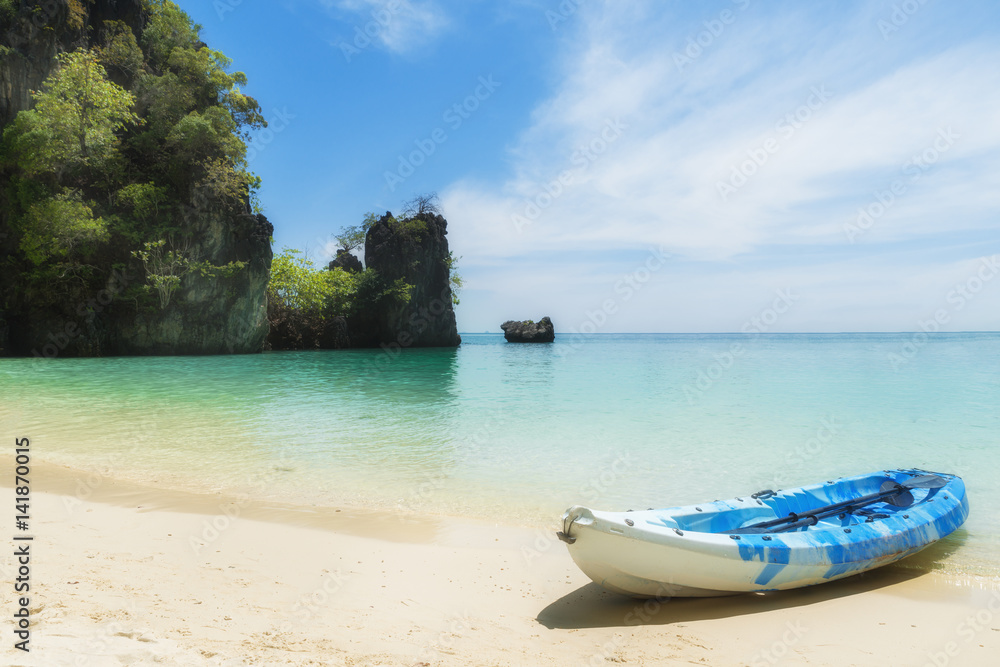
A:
(454, 278)
(199, 119)
(169, 28)
(410, 228)
(297, 284)
(244, 109)
(351, 238)
(226, 185)
(209, 270)
(143, 207)
(373, 291)
(195, 75)
(76, 14)
(75, 120)
(202, 137)
(8, 10)
(120, 48)
(166, 267)
(253, 186)
(142, 200)
(164, 100)
(83, 107)
(68, 139)
(55, 226)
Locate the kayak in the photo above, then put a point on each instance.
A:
(769, 540)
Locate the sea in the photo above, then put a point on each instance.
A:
(517, 433)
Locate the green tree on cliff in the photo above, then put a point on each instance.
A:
(71, 134)
(76, 119)
(96, 172)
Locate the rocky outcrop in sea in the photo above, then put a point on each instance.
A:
(529, 331)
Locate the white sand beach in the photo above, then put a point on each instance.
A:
(131, 575)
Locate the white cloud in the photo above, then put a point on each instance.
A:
(397, 25)
(687, 131)
(875, 107)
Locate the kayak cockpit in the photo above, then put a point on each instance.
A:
(796, 510)
(711, 520)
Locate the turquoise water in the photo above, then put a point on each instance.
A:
(520, 432)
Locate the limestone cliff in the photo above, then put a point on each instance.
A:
(103, 312)
(209, 315)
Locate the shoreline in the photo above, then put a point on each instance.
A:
(379, 519)
(137, 575)
(403, 525)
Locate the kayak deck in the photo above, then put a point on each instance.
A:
(691, 551)
(740, 512)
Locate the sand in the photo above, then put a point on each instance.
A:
(130, 575)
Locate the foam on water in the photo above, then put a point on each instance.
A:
(520, 432)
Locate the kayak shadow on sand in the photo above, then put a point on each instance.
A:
(591, 606)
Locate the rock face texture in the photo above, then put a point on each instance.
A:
(44, 28)
(527, 331)
(206, 315)
(418, 255)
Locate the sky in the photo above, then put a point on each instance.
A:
(722, 166)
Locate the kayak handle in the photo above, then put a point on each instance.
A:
(564, 533)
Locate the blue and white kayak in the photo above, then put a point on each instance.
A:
(770, 540)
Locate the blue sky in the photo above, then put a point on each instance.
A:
(647, 166)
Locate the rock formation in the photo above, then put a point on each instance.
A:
(208, 315)
(346, 261)
(528, 331)
(417, 254)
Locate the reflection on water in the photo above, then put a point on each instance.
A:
(522, 431)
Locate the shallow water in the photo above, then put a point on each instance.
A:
(520, 432)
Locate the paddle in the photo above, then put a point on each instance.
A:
(890, 491)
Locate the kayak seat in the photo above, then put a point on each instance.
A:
(711, 521)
